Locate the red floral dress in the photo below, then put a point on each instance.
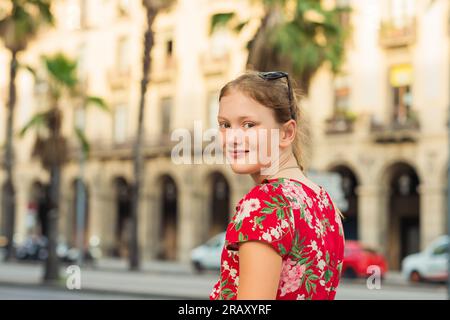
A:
(304, 229)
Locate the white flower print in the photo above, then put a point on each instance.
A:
(296, 194)
(274, 232)
(319, 228)
(300, 297)
(313, 245)
(319, 255)
(266, 236)
(264, 188)
(321, 264)
(247, 207)
(308, 218)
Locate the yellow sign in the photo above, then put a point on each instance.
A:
(401, 75)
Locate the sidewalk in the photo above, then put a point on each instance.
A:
(155, 266)
(156, 279)
(391, 278)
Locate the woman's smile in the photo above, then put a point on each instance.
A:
(237, 153)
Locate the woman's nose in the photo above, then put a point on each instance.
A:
(234, 137)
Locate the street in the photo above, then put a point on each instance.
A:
(345, 292)
(171, 281)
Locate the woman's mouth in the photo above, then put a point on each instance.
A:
(237, 153)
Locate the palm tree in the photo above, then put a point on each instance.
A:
(152, 8)
(20, 22)
(297, 36)
(51, 146)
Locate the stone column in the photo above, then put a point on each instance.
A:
(103, 206)
(152, 224)
(190, 222)
(432, 212)
(22, 198)
(372, 212)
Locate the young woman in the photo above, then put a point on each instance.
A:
(285, 239)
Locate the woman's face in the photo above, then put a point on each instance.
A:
(245, 128)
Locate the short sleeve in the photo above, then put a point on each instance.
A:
(262, 215)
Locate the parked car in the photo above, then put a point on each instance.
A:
(3, 242)
(34, 248)
(429, 264)
(358, 258)
(207, 256)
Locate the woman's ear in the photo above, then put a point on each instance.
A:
(287, 134)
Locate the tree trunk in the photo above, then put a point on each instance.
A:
(8, 190)
(52, 262)
(262, 55)
(134, 257)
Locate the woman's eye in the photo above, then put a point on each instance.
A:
(248, 125)
(224, 125)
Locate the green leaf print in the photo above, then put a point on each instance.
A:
(227, 294)
(259, 220)
(308, 287)
(303, 261)
(328, 275)
(313, 277)
(267, 210)
(238, 225)
(274, 199)
(223, 283)
(280, 213)
(243, 237)
(302, 212)
(327, 258)
(270, 204)
(313, 285)
(282, 249)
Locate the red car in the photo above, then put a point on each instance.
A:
(358, 259)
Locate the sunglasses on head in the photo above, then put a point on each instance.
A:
(275, 75)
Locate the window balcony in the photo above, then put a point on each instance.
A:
(163, 70)
(397, 32)
(214, 64)
(396, 131)
(119, 79)
(108, 149)
(340, 123)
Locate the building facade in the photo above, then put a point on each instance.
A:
(380, 123)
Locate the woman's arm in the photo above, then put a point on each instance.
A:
(259, 271)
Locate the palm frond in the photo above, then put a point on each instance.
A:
(82, 139)
(29, 68)
(24, 21)
(36, 121)
(220, 20)
(44, 7)
(62, 70)
(98, 102)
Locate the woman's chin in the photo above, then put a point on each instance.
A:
(244, 168)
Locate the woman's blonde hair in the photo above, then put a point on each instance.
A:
(274, 94)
